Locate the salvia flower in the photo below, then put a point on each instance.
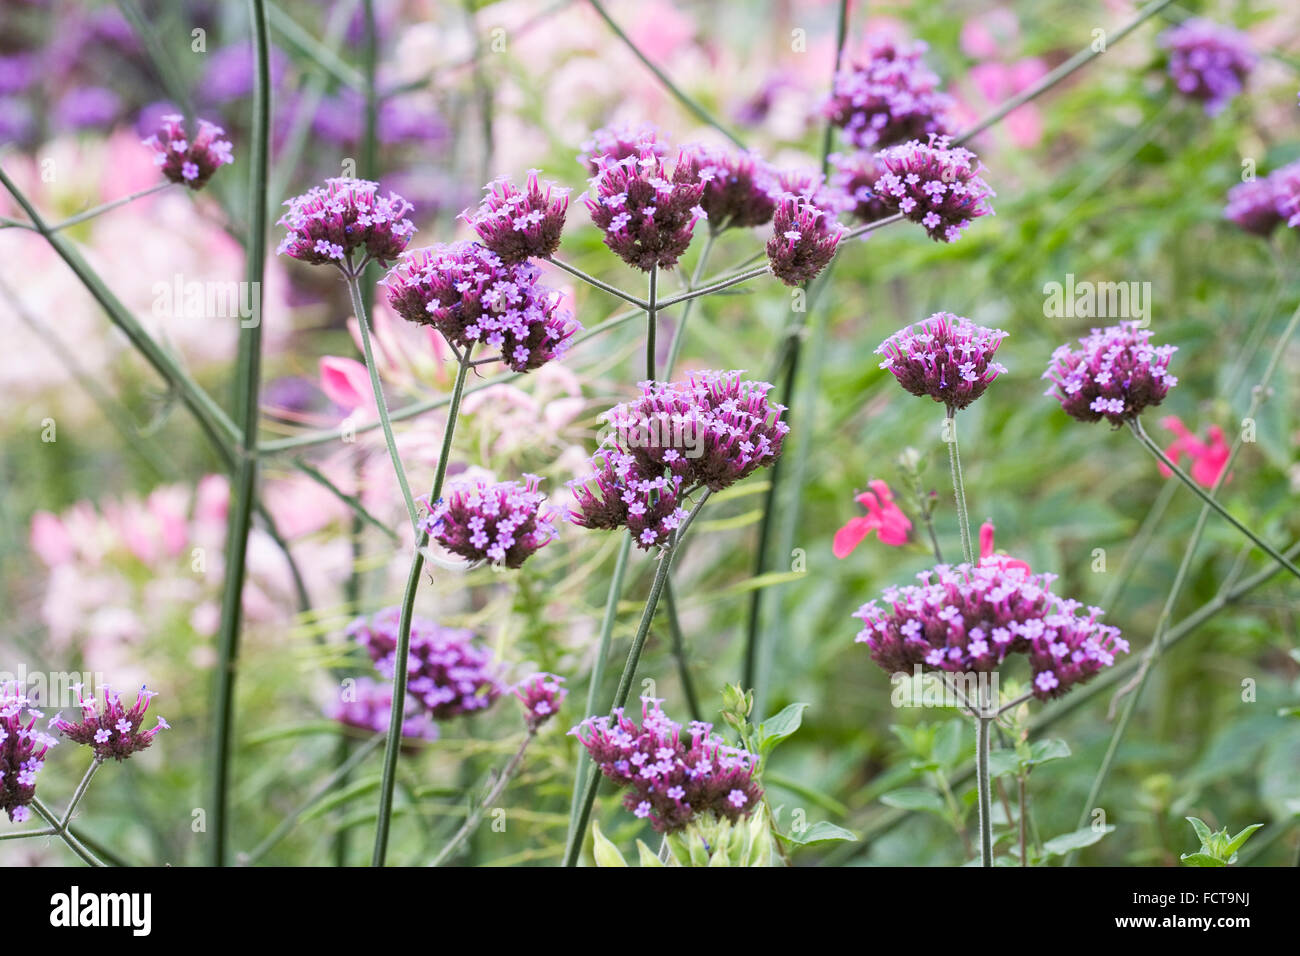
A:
(990, 557)
(946, 357)
(1115, 375)
(447, 672)
(804, 239)
(740, 190)
(542, 696)
(671, 781)
(648, 215)
(883, 517)
(328, 225)
(934, 185)
(856, 177)
(965, 619)
(1208, 61)
(519, 224)
(619, 495)
(1208, 457)
(22, 751)
(466, 292)
(190, 161)
(504, 523)
(612, 143)
(110, 730)
(889, 99)
(367, 705)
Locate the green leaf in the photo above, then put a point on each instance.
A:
(821, 833)
(778, 727)
(1203, 832)
(646, 855)
(603, 850)
(950, 742)
(1041, 751)
(1200, 859)
(1068, 842)
(1237, 842)
(1003, 762)
(915, 798)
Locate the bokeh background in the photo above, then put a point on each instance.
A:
(1110, 177)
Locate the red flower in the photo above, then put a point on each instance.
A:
(988, 558)
(1208, 458)
(882, 517)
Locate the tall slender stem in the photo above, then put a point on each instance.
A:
(982, 721)
(73, 844)
(402, 652)
(472, 820)
(679, 333)
(1136, 426)
(652, 323)
(247, 412)
(958, 487)
(359, 306)
(679, 653)
(603, 286)
(629, 674)
(80, 792)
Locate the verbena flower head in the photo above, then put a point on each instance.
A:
(647, 214)
(448, 674)
(22, 751)
(740, 189)
(367, 706)
(671, 781)
(542, 696)
(612, 143)
(933, 185)
(856, 177)
(804, 239)
(946, 357)
(713, 429)
(331, 224)
(110, 730)
(521, 224)
(1253, 205)
(1208, 61)
(185, 160)
(619, 495)
(888, 99)
(504, 523)
(1115, 375)
(810, 184)
(469, 295)
(1286, 193)
(963, 619)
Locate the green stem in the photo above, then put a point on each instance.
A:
(679, 333)
(591, 280)
(593, 685)
(363, 322)
(69, 840)
(679, 653)
(700, 112)
(652, 325)
(959, 488)
(80, 792)
(98, 210)
(629, 673)
(982, 787)
(472, 820)
(402, 653)
(1136, 426)
(248, 381)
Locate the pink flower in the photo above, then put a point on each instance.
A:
(1208, 458)
(346, 382)
(989, 559)
(882, 517)
(50, 539)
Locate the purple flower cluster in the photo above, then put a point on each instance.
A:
(368, 705)
(933, 185)
(889, 99)
(856, 177)
(671, 781)
(804, 239)
(740, 189)
(521, 224)
(447, 673)
(647, 214)
(468, 294)
(964, 619)
(542, 697)
(618, 495)
(947, 357)
(809, 184)
(327, 224)
(1208, 61)
(111, 730)
(1259, 205)
(503, 523)
(613, 143)
(22, 751)
(189, 161)
(1115, 375)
